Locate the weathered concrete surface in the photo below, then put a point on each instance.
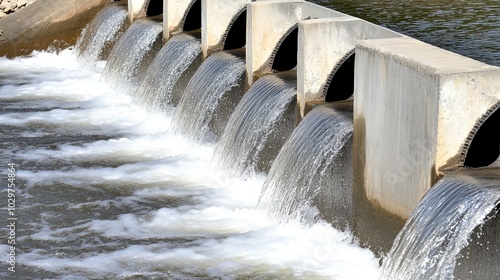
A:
(267, 24)
(144, 8)
(323, 46)
(174, 13)
(415, 105)
(137, 9)
(45, 23)
(217, 17)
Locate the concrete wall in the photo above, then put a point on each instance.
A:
(282, 16)
(217, 17)
(46, 23)
(323, 44)
(415, 105)
(137, 9)
(174, 12)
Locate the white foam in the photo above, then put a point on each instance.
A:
(213, 230)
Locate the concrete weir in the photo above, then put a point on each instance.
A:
(416, 109)
(419, 111)
(269, 25)
(223, 24)
(144, 8)
(180, 15)
(324, 46)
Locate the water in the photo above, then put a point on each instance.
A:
(213, 92)
(260, 124)
(178, 58)
(312, 174)
(106, 190)
(133, 52)
(467, 27)
(100, 35)
(436, 232)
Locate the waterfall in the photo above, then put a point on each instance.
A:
(439, 228)
(175, 63)
(134, 50)
(211, 96)
(259, 126)
(314, 169)
(100, 35)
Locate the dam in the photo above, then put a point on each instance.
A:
(216, 139)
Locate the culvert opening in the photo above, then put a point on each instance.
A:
(236, 36)
(192, 20)
(484, 149)
(286, 55)
(341, 84)
(155, 8)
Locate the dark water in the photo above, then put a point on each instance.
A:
(467, 27)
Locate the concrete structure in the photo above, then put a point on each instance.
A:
(175, 13)
(46, 23)
(415, 109)
(137, 9)
(268, 24)
(217, 18)
(143, 8)
(323, 45)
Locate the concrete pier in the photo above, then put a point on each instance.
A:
(323, 46)
(143, 8)
(416, 108)
(218, 17)
(180, 15)
(268, 25)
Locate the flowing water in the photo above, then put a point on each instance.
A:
(259, 126)
(313, 169)
(158, 88)
(106, 190)
(135, 49)
(442, 225)
(101, 34)
(213, 92)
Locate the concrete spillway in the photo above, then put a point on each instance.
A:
(419, 112)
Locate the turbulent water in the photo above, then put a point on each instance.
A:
(258, 127)
(174, 59)
(314, 169)
(213, 92)
(105, 190)
(432, 238)
(133, 51)
(101, 34)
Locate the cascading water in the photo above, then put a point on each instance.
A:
(178, 59)
(135, 49)
(104, 190)
(441, 225)
(211, 96)
(259, 126)
(314, 169)
(100, 35)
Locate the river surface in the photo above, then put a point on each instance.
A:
(467, 27)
